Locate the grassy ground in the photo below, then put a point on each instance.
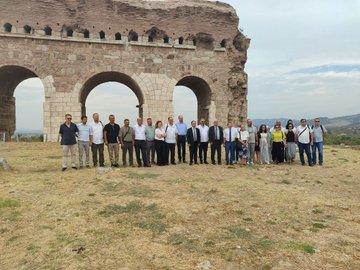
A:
(178, 217)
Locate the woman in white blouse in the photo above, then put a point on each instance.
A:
(160, 136)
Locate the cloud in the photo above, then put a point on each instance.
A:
(328, 69)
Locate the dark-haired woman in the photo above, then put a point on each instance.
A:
(263, 145)
(279, 141)
(290, 149)
(160, 136)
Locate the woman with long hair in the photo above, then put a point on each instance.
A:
(290, 149)
(263, 145)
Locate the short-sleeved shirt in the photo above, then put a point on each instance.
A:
(127, 134)
(278, 136)
(243, 135)
(96, 130)
(171, 132)
(150, 133)
(304, 134)
(182, 128)
(159, 132)
(230, 136)
(252, 133)
(112, 132)
(84, 132)
(68, 134)
(140, 132)
(204, 133)
(319, 133)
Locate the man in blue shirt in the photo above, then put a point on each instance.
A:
(181, 143)
(68, 132)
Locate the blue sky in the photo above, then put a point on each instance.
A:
(303, 61)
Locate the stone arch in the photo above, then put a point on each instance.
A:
(7, 27)
(27, 29)
(117, 36)
(110, 76)
(86, 34)
(48, 31)
(202, 92)
(102, 34)
(10, 77)
(133, 36)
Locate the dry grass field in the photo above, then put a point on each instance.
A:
(178, 217)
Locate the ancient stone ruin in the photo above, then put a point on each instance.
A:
(150, 46)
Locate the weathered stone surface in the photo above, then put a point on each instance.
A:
(150, 46)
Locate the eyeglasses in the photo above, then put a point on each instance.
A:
(68, 118)
(317, 121)
(303, 121)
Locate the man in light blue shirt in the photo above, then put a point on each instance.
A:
(181, 143)
(84, 141)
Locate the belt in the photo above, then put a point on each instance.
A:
(230, 142)
(149, 140)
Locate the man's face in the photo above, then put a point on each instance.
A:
(112, 119)
(84, 120)
(249, 123)
(139, 121)
(127, 122)
(96, 117)
(202, 122)
(242, 127)
(181, 118)
(317, 122)
(303, 123)
(216, 123)
(193, 124)
(149, 122)
(171, 120)
(230, 125)
(68, 118)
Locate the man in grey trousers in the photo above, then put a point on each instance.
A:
(150, 141)
(84, 141)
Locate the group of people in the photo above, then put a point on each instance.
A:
(245, 143)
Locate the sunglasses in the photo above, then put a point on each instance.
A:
(317, 121)
(68, 118)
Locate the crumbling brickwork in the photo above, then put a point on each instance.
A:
(150, 46)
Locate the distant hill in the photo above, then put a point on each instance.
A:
(349, 125)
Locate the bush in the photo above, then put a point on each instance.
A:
(342, 139)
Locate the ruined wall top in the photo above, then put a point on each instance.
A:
(172, 18)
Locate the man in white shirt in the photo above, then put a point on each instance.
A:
(97, 140)
(230, 134)
(140, 143)
(304, 137)
(84, 141)
(170, 140)
(204, 141)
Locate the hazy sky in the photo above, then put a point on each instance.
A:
(303, 61)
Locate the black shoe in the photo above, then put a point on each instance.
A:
(139, 166)
(148, 165)
(311, 165)
(116, 166)
(219, 163)
(102, 165)
(74, 168)
(206, 162)
(201, 162)
(173, 163)
(231, 163)
(184, 161)
(303, 164)
(88, 166)
(190, 163)
(63, 169)
(80, 167)
(227, 163)
(196, 163)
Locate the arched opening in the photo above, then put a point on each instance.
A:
(133, 36)
(150, 38)
(166, 40)
(48, 30)
(102, 35)
(112, 95)
(194, 41)
(181, 40)
(223, 43)
(202, 92)
(27, 29)
(185, 103)
(7, 27)
(86, 34)
(117, 36)
(27, 114)
(69, 33)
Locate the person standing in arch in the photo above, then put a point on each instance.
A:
(68, 132)
(193, 139)
(170, 140)
(140, 144)
(111, 138)
(84, 141)
(97, 140)
(127, 140)
(216, 139)
(204, 141)
(150, 141)
(181, 142)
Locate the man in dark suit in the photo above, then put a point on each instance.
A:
(193, 139)
(216, 139)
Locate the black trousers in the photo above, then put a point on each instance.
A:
(193, 152)
(216, 147)
(98, 148)
(203, 148)
(170, 149)
(278, 152)
(141, 146)
(160, 152)
(181, 147)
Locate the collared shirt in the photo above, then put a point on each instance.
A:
(112, 132)
(171, 132)
(243, 135)
(319, 133)
(96, 130)
(140, 132)
(234, 134)
(84, 132)
(305, 136)
(252, 133)
(204, 133)
(194, 133)
(182, 128)
(68, 134)
(150, 133)
(216, 133)
(127, 134)
(158, 133)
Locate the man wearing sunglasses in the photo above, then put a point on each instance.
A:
(68, 132)
(319, 133)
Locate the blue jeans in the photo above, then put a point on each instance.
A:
(306, 147)
(229, 150)
(319, 146)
